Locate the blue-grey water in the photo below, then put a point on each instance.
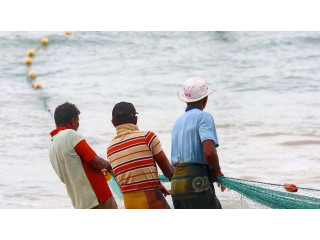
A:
(266, 105)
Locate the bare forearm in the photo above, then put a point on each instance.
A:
(213, 161)
(168, 172)
(165, 191)
(211, 155)
(99, 163)
(164, 164)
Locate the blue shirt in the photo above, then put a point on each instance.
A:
(188, 133)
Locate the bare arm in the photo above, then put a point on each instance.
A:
(99, 163)
(164, 164)
(211, 157)
(165, 191)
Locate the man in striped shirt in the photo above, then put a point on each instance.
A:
(133, 156)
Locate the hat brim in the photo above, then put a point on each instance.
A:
(182, 97)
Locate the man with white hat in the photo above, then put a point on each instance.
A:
(193, 153)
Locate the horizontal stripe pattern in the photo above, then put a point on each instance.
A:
(124, 144)
(130, 154)
(133, 164)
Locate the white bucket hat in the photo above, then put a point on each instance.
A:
(194, 89)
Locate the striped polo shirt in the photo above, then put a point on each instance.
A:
(130, 154)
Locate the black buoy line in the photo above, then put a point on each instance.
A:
(32, 75)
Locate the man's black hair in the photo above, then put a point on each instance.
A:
(65, 112)
(123, 112)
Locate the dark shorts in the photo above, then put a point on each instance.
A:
(191, 187)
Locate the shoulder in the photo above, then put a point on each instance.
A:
(73, 135)
(197, 113)
(116, 140)
(71, 132)
(149, 134)
(150, 137)
(144, 133)
(205, 116)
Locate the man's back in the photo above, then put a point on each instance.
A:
(131, 156)
(63, 156)
(67, 164)
(188, 133)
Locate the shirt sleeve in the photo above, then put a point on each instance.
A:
(85, 151)
(207, 129)
(153, 143)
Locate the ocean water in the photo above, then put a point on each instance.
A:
(266, 105)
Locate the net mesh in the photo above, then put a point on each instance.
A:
(247, 194)
(242, 193)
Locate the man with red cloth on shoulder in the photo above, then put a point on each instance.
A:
(76, 164)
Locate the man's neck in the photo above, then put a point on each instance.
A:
(200, 106)
(68, 126)
(192, 107)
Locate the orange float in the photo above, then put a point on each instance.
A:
(290, 187)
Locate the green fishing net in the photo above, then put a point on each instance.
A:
(247, 194)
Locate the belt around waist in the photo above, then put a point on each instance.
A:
(190, 170)
(177, 165)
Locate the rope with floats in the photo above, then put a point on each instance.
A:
(32, 75)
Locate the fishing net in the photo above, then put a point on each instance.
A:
(242, 193)
(246, 194)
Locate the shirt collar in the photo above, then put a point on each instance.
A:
(125, 128)
(192, 107)
(54, 132)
